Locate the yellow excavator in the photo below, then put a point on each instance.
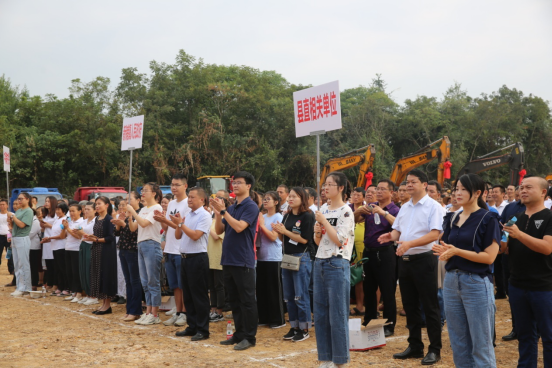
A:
(423, 156)
(351, 159)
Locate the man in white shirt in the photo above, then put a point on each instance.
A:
(511, 193)
(179, 205)
(416, 228)
(194, 232)
(283, 192)
(4, 227)
(498, 196)
(313, 203)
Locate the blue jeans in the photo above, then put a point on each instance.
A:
(129, 266)
(469, 301)
(150, 256)
(532, 311)
(21, 247)
(332, 284)
(296, 292)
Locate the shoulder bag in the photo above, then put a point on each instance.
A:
(290, 262)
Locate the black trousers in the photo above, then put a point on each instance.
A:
(35, 259)
(3, 244)
(418, 282)
(59, 266)
(194, 273)
(216, 288)
(499, 276)
(380, 271)
(239, 283)
(72, 270)
(50, 274)
(270, 297)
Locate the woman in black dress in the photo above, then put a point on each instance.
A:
(103, 267)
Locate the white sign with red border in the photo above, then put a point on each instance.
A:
(133, 132)
(7, 159)
(317, 109)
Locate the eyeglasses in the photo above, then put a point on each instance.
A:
(147, 191)
(329, 185)
(20, 199)
(237, 183)
(266, 199)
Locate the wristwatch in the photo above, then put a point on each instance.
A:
(222, 212)
(386, 213)
(180, 224)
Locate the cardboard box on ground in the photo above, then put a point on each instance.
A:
(370, 337)
(167, 303)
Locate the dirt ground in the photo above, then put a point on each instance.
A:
(52, 332)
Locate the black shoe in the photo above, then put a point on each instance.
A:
(388, 332)
(115, 299)
(186, 332)
(510, 337)
(95, 311)
(107, 311)
(431, 358)
(292, 332)
(409, 353)
(243, 345)
(500, 296)
(230, 341)
(121, 300)
(199, 336)
(300, 336)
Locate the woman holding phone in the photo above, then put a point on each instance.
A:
(103, 268)
(73, 225)
(469, 245)
(46, 224)
(57, 239)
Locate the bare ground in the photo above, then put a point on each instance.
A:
(52, 332)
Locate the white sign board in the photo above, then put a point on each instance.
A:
(133, 131)
(7, 159)
(317, 108)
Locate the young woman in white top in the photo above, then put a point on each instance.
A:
(72, 225)
(57, 238)
(85, 253)
(334, 235)
(34, 254)
(50, 205)
(150, 254)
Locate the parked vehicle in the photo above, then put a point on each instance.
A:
(91, 193)
(39, 192)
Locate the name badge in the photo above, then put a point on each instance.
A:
(293, 242)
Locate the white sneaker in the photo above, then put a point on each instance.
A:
(17, 293)
(83, 300)
(70, 297)
(141, 319)
(76, 300)
(171, 312)
(181, 321)
(171, 321)
(92, 301)
(151, 320)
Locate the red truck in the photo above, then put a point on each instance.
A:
(91, 193)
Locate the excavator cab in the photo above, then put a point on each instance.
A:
(351, 159)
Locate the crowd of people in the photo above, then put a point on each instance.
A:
(261, 255)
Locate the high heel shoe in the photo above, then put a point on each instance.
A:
(107, 311)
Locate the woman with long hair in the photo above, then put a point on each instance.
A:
(35, 254)
(57, 239)
(334, 235)
(85, 252)
(72, 225)
(128, 255)
(103, 263)
(150, 254)
(295, 232)
(21, 223)
(469, 245)
(50, 205)
(269, 258)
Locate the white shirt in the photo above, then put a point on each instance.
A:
(172, 245)
(57, 244)
(548, 203)
(4, 228)
(72, 243)
(314, 208)
(343, 221)
(88, 228)
(153, 231)
(417, 220)
(34, 234)
(284, 208)
(196, 220)
(501, 207)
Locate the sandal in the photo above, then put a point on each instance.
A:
(355, 312)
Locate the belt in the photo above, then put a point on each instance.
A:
(190, 255)
(378, 249)
(411, 257)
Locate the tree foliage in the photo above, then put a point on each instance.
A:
(207, 119)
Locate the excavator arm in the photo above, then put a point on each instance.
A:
(422, 157)
(515, 159)
(351, 159)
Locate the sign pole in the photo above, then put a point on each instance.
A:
(8, 189)
(130, 171)
(317, 134)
